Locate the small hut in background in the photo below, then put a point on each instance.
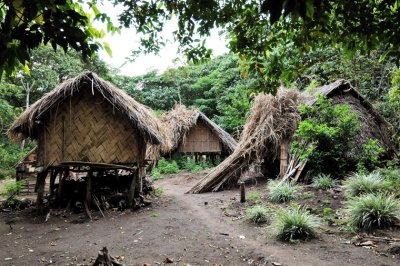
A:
(86, 125)
(272, 122)
(189, 131)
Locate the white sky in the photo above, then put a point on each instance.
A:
(122, 45)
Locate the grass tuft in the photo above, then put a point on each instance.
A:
(254, 197)
(257, 214)
(368, 212)
(358, 184)
(293, 224)
(282, 192)
(323, 181)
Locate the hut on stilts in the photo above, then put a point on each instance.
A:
(270, 127)
(86, 125)
(189, 131)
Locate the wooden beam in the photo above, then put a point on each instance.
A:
(62, 176)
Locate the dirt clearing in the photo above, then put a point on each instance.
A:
(177, 229)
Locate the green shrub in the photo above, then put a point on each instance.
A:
(365, 183)
(282, 192)
(369, 159)
(12, 189)
(158, 191)
(190, 164)
(156, 175)
(293, 224)
(393, 177)
(367, 212)
(324, 135)
(323, 181)
(254, 196)
(167, 167)
(257, 214)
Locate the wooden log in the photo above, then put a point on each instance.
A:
(88, 200)
(41, 180)
(104, 258)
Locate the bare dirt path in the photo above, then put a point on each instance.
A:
(191, 229)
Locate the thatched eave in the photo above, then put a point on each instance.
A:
(27, 124)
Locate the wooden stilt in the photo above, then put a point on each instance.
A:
(41, 180)
(53, 176)
(284, 157)
(89, 188)
(62, 176)
(132, 188)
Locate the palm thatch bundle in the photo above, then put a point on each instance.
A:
(178, 122)
(271, 120)
(27, 124)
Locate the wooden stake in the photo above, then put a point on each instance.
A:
(242, 192)
(63, 175)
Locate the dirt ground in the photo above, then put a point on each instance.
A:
(206, 229)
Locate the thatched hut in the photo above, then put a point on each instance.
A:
(87, 124)
(270, 126)
(189, 131)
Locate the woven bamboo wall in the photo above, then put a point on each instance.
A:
(85, 127)
(201, 139)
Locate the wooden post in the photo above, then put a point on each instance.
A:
(63, 175)
(284, 157)
(242, 192)
(41, 180)
(132, 188)
(89, 188)
(53, 176)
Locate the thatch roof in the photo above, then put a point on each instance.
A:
(271, 120)
(178, 122)
(140, 115)
(373, 125)
(275, 118)
(340, 86)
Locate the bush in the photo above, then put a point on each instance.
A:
(282, 192)
(365, 183)
(254, 196)
(393, 177)
(158, 192)
(257, 214)
(12, 189)
(293, 224)
(167, 167)
(323, 181)
(369, 159)
(371, 211)
(325, 134)
(156, 175)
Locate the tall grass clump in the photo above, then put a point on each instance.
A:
(358, 184)
(323, 181)
(257, 214)
(293, 224)
(368, 212)
(254, 197)
(282, 192)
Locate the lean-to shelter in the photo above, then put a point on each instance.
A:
(87, 124)
(271, 124)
